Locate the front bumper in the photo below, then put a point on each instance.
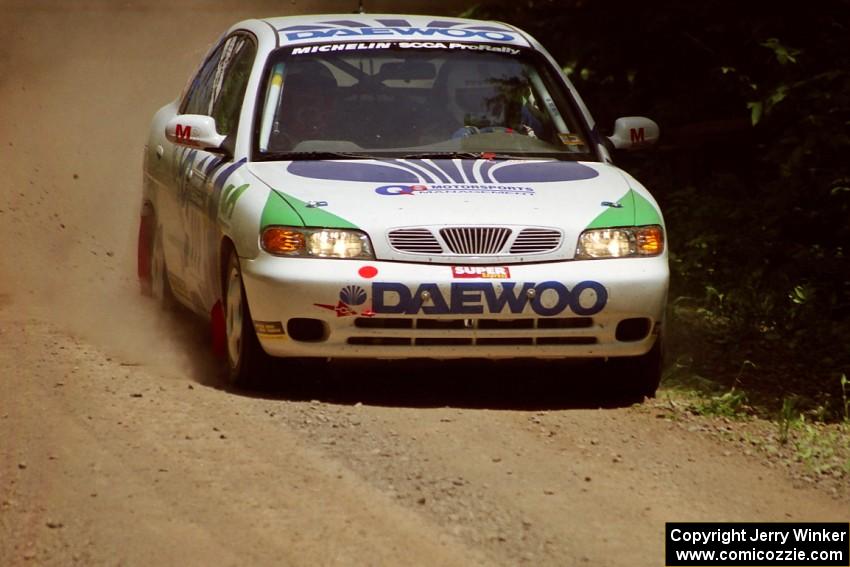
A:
(375, 309)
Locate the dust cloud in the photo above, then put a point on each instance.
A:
(79, 84)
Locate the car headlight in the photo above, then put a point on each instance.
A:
(316, 243)
(622, 242)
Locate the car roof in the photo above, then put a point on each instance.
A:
(342, 28)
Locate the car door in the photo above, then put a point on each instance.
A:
(219, 92)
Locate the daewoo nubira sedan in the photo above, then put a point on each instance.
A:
(390, 186)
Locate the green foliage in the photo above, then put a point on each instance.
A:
(728, 404)
(753, 175)
(821, 450)
(787, 417)
(783, 54)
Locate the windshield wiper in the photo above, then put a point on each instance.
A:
(296, 156)
(320, 155)
(460, 155)
(490, 156)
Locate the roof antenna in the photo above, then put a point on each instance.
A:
(360, 8)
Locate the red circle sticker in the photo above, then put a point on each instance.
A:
(368, 272)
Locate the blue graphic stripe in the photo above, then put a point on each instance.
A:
(486, 28)
(390, 23)
(449, 169)
(186, 161)
(344, 171)
(485, 171)
(222, 177)
(544, 171)
(394, 171)
(214, 163)
(423, 177)
(467, 166)
(434, 170)
(218, 185)
(395, 23)
(429, 173)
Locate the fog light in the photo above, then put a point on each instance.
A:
(631, 330)
(306, 330)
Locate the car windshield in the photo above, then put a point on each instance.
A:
(388, 99)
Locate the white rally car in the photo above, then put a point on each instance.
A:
(388, 186)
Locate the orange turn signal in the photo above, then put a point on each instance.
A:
(278, 240)
(650, 240)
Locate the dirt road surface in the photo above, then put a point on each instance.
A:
(119, 447)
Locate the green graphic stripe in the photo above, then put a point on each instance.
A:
(314, 216)
(635, 210)
(622, 216)
(645, 212)
(287, 210)
(229, 197)
(278, 211)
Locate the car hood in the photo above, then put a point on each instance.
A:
(379, 196)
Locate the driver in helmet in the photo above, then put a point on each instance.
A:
(306, 105)
(486, 97)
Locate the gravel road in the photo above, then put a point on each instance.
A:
(118, 446)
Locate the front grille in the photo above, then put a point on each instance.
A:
(474, 332)
(380, 323)
(443, 341)
(536, 240)
(415, 241)
(506, 341)
(567, 341)
(477, 240)
(433, 324)
(379, 341)
(484, 324)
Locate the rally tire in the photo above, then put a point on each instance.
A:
(637, 377)
(246, 361)
(143, 251)
(160, 288)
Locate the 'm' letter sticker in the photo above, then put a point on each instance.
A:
(638, 135)
(185, 132)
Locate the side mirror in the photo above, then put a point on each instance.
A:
(633, 133)
(194, 131)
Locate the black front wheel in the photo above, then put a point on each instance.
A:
(246, 359)
(160, 287)
(638, 376)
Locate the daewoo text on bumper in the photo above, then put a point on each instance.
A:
(375, 309)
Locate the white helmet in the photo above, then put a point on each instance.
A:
(478, 90)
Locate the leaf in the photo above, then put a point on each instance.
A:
(799, 295)
(470, 12)
(756, 111)
(777, 96)
(783, 54)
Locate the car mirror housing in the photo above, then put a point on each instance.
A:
(195, 131)
(634, 133)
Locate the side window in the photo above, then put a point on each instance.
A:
(219, 87)
(235, 68)
(199, 95)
